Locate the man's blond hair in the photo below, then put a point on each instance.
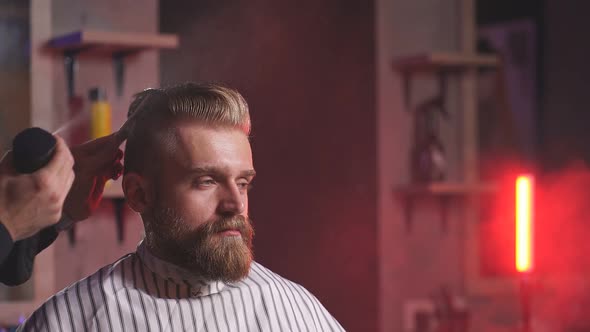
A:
(155, 110)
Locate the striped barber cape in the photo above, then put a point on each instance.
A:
(140, 292)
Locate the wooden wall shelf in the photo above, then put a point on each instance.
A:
(445, 188)
(434, 61)
(440, 63)
(111, 42)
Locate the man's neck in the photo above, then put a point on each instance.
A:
(169, 256)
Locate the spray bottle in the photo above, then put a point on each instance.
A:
(100, 112)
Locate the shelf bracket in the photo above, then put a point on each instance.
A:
(407, 86)
(70, 66)
(119, 69)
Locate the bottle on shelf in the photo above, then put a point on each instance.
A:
(100, 113)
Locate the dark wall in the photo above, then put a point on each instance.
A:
(496, 11)
(563, 72)
(566, 114)
(307, 70)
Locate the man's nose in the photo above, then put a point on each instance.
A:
(231, 200)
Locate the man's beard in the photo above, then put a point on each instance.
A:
(203, 250)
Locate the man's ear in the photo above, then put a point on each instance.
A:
(137, 192)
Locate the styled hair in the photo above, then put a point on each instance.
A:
(155, 111)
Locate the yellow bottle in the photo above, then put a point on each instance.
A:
(100, 111)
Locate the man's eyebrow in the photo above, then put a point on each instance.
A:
(203, 170)
(249, 172)
(215, 170)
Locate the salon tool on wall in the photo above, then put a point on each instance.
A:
(428, 153)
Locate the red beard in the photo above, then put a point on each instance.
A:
(204, 250)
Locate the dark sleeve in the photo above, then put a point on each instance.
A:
(18, 266)
(5, 243)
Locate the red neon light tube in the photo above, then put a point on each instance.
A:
(524, 223)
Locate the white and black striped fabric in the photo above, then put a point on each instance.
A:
(140, 292)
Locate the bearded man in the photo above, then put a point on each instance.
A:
(188, 167)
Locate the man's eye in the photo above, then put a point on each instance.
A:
(204, 182)
(245, 185)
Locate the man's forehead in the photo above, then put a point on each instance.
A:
(202, 135)
(196, 145)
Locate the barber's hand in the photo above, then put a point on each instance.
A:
(31, 202)
(97, 161)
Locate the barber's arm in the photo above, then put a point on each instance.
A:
(32, 202)
(95, 162)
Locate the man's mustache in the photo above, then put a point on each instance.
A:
(238, 223)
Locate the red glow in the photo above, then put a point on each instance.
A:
(524, 223)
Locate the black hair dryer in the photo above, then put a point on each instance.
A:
(32, 149)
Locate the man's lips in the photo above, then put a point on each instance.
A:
(230, 232)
